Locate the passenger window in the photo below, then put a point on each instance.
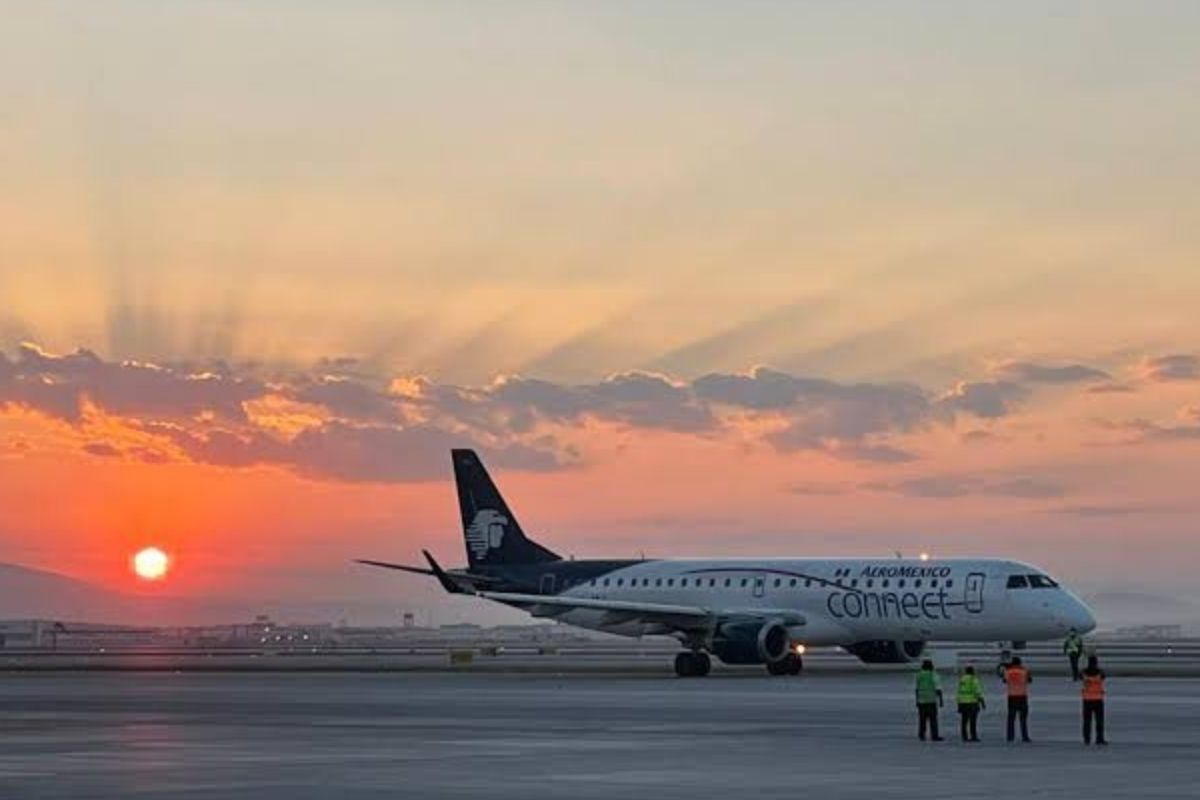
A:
(712, 582)
(658, 581)
(933, 583)
(950, 583)
(728, 582)
(886, 583)
(620, 581)
(917, 583)
(870, 583)
(778, 583)
(592, 582)
(744, 581)
(792, 582)
(901, 583)
(1017, 582)
(683, 582)
(606, 581)
(670, 581)
(854, 583)
(808, 583)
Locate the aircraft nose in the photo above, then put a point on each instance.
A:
(1080, 616)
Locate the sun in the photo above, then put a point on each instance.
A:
(150, 564)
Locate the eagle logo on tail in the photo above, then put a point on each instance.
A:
(486, 532)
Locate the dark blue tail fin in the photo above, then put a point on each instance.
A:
(491, 530)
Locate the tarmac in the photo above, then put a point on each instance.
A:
(494, 735)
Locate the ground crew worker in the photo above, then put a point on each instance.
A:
(1018, 679)
(929, 697)
(1073, 648)
(1093, 701)
(970, 701)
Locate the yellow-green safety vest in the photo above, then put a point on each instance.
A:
(970, 689)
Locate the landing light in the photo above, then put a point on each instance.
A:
(798, 649)
(924, 556)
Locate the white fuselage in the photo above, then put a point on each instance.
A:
(841, 601)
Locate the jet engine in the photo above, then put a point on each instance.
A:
(885, 651)
(752, 643)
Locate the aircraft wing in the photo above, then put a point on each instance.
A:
(619, 612)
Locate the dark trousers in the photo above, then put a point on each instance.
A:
(1018, 707)
(1074, 659)
(969, 718)
(927, 716)
(1093, 709)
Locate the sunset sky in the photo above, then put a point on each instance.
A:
(696, 279)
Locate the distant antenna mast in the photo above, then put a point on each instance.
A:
(899, 554)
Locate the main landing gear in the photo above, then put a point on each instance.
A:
(693, 664)
(697, 664)
(791, 664)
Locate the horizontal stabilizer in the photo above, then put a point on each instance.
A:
(390, 565)
(453, 581)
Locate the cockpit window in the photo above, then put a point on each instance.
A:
(1042, 582)
(1017, 582)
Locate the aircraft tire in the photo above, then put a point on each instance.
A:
(791, 664)
(684, 665)
(692, 665)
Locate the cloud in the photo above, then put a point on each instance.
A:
(876, 453)
(58, 386)
(352, 453)
(1111, 388)
(1108, 510)
(845, 420)
(1152, 431)
(518, 404)
(796, 438)
(987, 399)
(339, 420)
(345, 398)
(149, 455)
(943, 487)
(637, 399)
(1030, 372)
(1177, 367)
(101, 449)
(816, 489)
(847, 410)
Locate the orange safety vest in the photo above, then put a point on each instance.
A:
(1017, 679)
(1093, 686)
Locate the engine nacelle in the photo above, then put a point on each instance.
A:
(885, 651)
(748, 643)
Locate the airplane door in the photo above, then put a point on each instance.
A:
(760, 584)
(973, 599)
(548, 584)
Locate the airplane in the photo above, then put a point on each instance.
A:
(752, 610)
